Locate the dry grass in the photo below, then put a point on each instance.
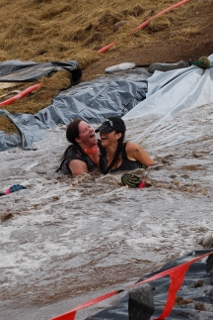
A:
(64, 30)
(52, 30)
(36, 101)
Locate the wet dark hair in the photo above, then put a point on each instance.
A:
(72, 131)
(119, 146)
(71, 134)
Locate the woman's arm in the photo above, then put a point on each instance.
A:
(136, 152)
(77, 167)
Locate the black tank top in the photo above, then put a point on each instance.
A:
(75, 152)
(126, 164)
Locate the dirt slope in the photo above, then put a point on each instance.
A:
(188, 37)
(48, 30)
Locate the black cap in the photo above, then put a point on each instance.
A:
(111, 124)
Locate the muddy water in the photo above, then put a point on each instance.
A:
(66, 240)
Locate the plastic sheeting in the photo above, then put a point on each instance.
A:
(122, 94)
(195, 295)
(20, 71)
(93, 101)
(172, 92)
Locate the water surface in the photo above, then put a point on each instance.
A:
(65, 240)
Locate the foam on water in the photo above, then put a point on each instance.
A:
(68, 239)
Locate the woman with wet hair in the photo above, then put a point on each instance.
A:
(116, 154)
(84, 152)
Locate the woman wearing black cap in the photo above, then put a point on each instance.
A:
(117, 155)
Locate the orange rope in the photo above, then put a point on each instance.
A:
(21, 94)
(176, 275)
(145, 23)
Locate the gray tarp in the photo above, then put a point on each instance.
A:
(200, 296)
(122, 94)
(20, 71)
(171, 93)
(93, 101)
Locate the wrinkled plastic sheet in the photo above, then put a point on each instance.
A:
(93, 101)
(201, 296)
(169, 94)
(121, 94)
(21, 71)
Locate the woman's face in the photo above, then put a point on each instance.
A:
(86, 134)
(109, 139)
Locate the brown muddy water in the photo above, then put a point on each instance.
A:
(67, 240)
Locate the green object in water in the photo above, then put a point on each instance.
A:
(131, 180)
(202, 62)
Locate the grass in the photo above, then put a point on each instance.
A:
(65, 30)
(52, 30)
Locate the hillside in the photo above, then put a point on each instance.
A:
(48, 30)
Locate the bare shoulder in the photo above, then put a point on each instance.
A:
(135, 152)
(132, 147)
